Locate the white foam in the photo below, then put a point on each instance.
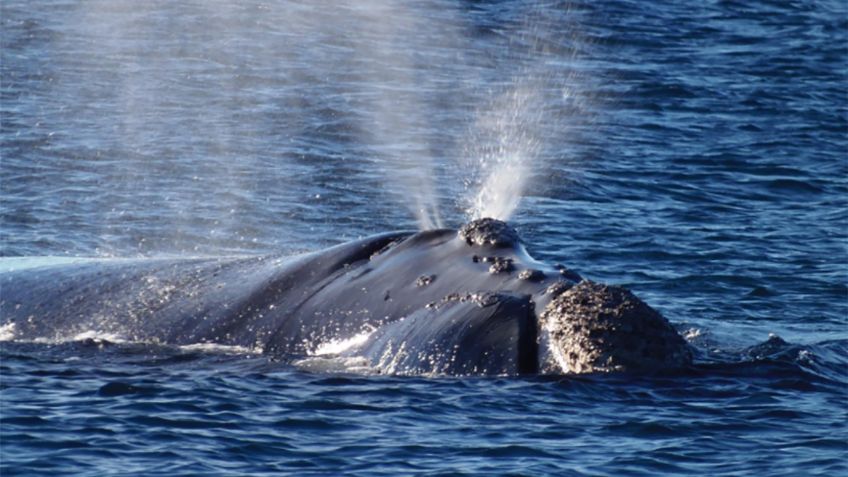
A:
(691, 334)
(7, 332)
(97, 336)
(336, 364)
(219, 348)
(326, 358)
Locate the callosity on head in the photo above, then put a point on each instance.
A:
(599, 328)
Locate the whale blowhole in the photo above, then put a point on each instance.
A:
(488, 231)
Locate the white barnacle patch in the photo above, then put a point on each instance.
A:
(532, 275)
(488, 232)
(598, 328)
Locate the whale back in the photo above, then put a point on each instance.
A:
(231, 300)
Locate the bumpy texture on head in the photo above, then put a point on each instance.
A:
(601, 328)
(488, 231)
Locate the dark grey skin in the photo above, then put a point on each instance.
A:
(436, 302)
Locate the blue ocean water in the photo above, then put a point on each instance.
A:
(695, 152)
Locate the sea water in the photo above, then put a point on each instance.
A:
(694, 152)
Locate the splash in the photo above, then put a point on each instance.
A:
(399, 51)
(328, 356)
(7, 332)
(409, 85)
(538, 105)
(214, 348)
(507, 148)
(98, 336)
(337, 346)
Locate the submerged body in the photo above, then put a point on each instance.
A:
(440, 301)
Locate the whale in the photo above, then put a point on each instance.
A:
(467, 301)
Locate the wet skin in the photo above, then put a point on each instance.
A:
(442, 301)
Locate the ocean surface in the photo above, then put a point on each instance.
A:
(695, 152)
